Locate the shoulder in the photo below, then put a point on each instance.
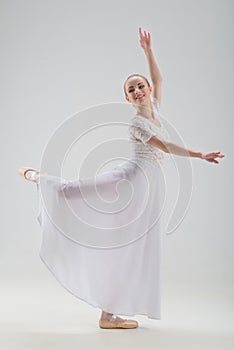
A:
(140, 122)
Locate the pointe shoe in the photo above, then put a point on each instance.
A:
(33, 176)
(111, 323)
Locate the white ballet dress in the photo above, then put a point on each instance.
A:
(108, 252)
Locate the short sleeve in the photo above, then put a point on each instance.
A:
(141, 130)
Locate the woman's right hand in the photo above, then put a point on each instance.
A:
(210, 157)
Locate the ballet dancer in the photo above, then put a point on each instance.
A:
(148, 139)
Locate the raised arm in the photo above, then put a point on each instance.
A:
(154, 70)
(156, 78)
(170, 147)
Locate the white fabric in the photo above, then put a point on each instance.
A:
(108, 253)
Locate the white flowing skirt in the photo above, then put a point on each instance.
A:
(101, 236)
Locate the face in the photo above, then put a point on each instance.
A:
(138, 91)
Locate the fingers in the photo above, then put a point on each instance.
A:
(140, 32)
(221, 155)
(217, 154)
(210, 157)
(144, 36)
(212, 161)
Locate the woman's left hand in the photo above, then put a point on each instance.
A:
(210, 157)
(145, 39)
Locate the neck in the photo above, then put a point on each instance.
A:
(146, 111)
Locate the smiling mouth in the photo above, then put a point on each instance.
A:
(140, 97)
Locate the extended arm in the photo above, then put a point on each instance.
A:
(156, 77)
(171, 147)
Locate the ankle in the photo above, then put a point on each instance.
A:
(106, 315)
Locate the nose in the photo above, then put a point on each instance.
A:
(137, 90)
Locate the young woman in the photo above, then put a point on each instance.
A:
(114, 264)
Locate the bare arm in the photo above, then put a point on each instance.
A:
(156, 77)
(154, 70)
(171, 147)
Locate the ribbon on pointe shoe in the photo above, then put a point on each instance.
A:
(31, 175)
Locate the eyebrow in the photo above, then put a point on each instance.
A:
(137, 84)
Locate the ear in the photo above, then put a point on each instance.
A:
(127, 98)
(150, 89)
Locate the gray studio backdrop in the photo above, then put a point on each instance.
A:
(61, 57)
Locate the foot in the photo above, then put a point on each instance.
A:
(109, 320)
(29, 174)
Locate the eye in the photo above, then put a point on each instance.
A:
(140, 87)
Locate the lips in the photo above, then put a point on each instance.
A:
(139, 97)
